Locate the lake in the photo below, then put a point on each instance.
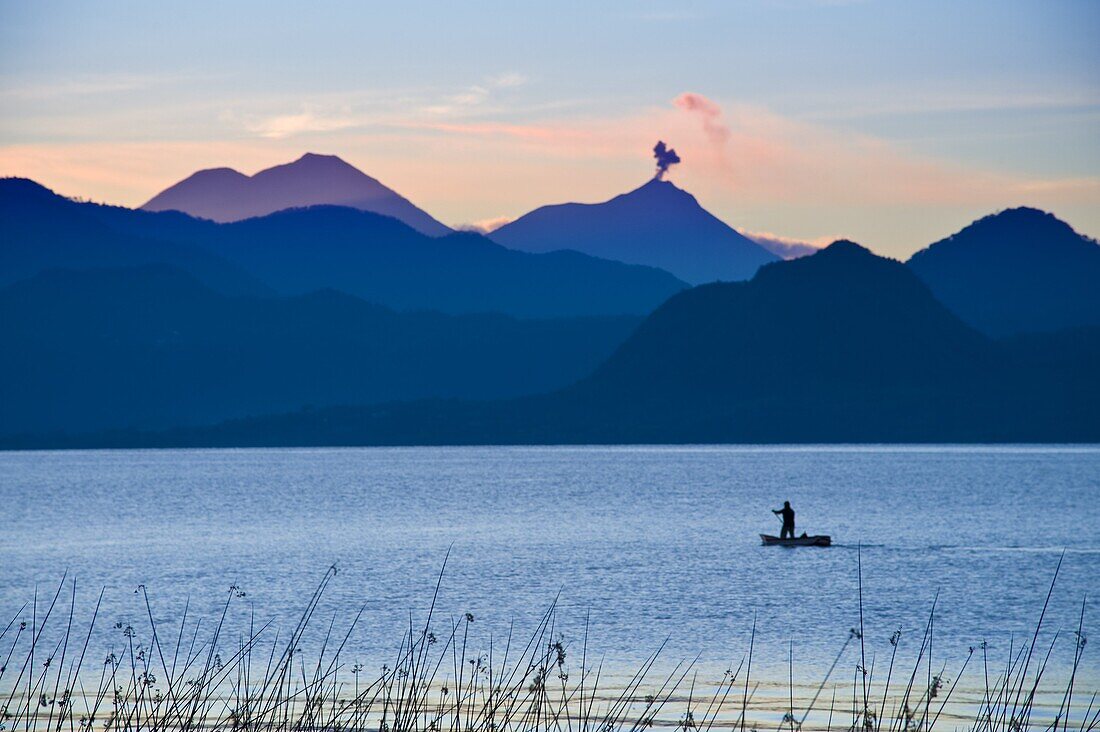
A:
(648, 543)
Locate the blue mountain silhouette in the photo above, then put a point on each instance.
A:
(41, 230)
(840, 346)
(297, 251)
(658, 225)
(1018, 271)
(154, 325)
(151, 347)
(223, 194)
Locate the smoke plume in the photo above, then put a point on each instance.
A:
(708, 112)
(665, 156)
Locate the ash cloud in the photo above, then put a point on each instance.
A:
(666, 157)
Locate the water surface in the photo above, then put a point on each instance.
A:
(649, 542)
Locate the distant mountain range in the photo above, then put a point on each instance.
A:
(841, 346)
(223, 194)
(151, 347)
(1018, 271)
(658, 225)
(297, 251)
(335, 325)
(41, 230)
(382, 260)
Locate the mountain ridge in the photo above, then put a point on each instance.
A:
(840, 346)
(224, 195)
(152, 347)
(294, 251)
(381, 259)
(43, 230)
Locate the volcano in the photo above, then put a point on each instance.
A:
(224, 194)
(658, 224)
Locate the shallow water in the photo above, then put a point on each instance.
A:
(649, 542)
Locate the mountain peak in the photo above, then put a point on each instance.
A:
(844, 261)
(656, 224)
(1016, 271)
(222, 173)
(846, 248)
(658, 184)
(319, 156)
(1008, 232)
(1023, 211)
(1030, 222)
(314, 169)
(318, 160)
(24, 187)
(224, 195)
(842, 317)
(655, 189)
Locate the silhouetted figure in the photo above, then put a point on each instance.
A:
(788, 520)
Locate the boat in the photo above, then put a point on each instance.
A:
(804, 540)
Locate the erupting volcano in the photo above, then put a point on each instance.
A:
(666, 157)
(658, 224)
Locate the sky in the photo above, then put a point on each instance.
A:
(890, 123)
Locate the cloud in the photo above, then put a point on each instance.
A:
(787, 247)
(355, 109)
(475, 94)
(507, 80)
(85, 85)
(546, 135)
(471, 96)
(708, 112)
(765, 156)
(485, 226)
(846, 105)
(771, 173)
(287, 125)
(761, 157)
(130, 173)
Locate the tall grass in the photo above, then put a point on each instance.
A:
(441, 678)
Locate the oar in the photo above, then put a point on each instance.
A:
(778, 518)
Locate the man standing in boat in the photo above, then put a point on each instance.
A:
(788, 520)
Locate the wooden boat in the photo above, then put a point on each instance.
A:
(820, 540)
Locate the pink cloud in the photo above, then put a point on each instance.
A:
(129, 173)
(763, 171)
(709, 112)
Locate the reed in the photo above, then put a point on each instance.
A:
(444, 676)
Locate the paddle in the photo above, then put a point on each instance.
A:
(778, 518)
